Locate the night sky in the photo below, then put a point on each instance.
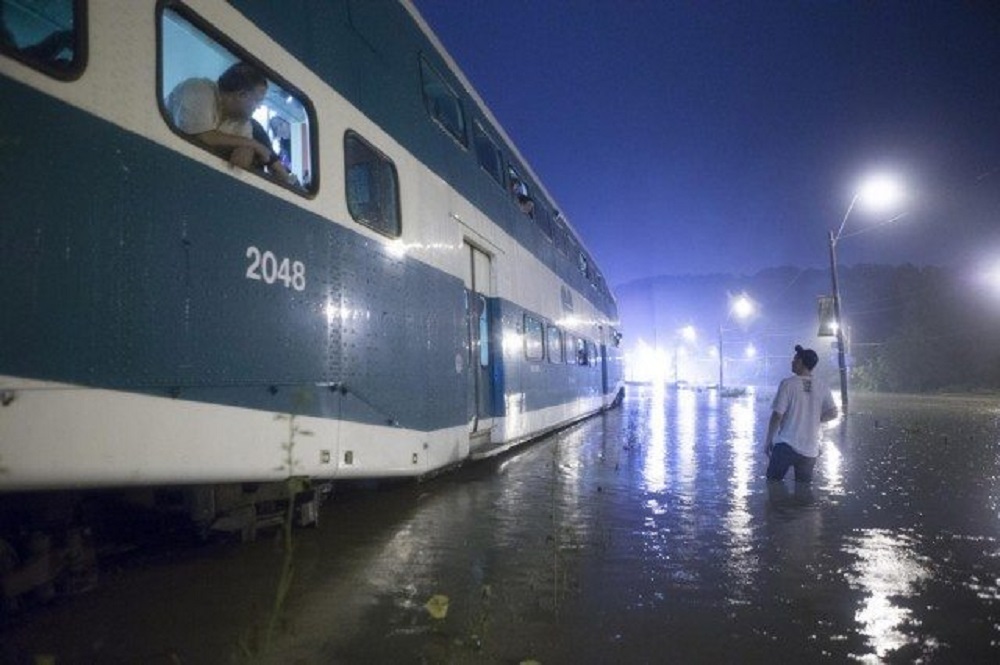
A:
(707, 137)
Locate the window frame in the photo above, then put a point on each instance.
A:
(210, 31)
(385, 159)
(582, 359)
(561, 358)
(479, 131)
(529, 343)
(543, 218)
(517, 188)
(81, 50)
(561, 237)
(461, 134)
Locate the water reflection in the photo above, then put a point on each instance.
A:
(738, 520)
(889, 572)
(833, 438)
(655, 466)
(686, 426)
(830, 461)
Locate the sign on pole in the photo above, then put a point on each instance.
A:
(827, 319)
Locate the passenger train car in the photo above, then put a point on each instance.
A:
(409, 292)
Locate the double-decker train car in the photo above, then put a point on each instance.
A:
(396, 277)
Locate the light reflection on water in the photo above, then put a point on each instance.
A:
(702, 456)
(832, 479)
(738, 520)
(655, 468)
(686, 428)
(888, 571)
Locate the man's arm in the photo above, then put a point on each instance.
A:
(242, 151)
(272, 162)
(772, 429)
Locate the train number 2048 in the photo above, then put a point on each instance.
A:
(265, 266)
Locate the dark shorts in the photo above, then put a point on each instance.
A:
(782, 457)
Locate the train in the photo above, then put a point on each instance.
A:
(405, 297)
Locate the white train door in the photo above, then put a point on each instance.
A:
(478, 290)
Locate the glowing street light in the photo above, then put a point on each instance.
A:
(742, 307)
(876, 193)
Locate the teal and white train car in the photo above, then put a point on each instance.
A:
(411, 295)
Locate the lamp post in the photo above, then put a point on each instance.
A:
(841, 357)
(875, 192)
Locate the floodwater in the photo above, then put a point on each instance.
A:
(645, 535)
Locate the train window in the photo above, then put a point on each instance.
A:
(581, 352)
(554, 341)
(519, 190)
(442, 103)
(488, 154)
(372, 186)
(561, 236)
(218, 96)
(49, 35)
(583, 264)
(616, 337)
(534, 346)
(484, 336)
(544, 220)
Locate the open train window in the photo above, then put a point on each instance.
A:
(218, 96)
(581, 352)
(488, 154)
(49, 35)
(616, 337)
(534, 345)
(442, 103)
(372, 186)
(554, 342)
(519, 190)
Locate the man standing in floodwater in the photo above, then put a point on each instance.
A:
(801, 404)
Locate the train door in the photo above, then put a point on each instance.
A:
(480, 369)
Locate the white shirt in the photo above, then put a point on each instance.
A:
(194, 106)
(801, 400)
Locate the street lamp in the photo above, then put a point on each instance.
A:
(875, 193)
(742, 308)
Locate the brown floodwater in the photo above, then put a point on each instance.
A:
(645, 535)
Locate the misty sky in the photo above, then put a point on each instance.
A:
(702, 137)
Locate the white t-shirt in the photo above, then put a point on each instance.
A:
(802, 400)
(194, 106)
